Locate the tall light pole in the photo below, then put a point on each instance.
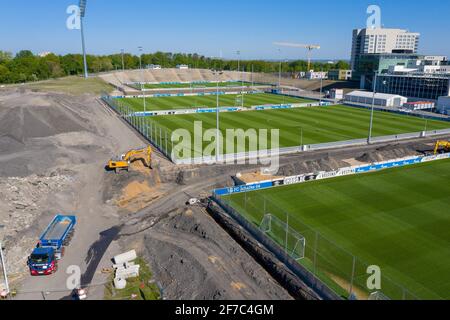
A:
(217, 74)
(279, 73)
(82, 14)
(123, 61)
(373, 107)
(238, 53)
(5, 275)
(321, 87)
(143, 80)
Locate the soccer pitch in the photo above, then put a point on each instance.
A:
(208, 101)
(397, 219)
(195, 85)
(304, 126)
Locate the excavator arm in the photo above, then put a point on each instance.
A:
(442, 145)
(123, 163)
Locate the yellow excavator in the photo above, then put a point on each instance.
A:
(124, 161)
(442, 145)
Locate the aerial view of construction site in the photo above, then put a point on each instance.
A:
(169, 159)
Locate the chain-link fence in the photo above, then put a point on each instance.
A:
(341, 271)
(158, 135)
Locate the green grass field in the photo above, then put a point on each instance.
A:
(398, 219)
(210, 101)
(195, 85)
(306, 125)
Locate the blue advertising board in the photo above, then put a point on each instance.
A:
(245, 188)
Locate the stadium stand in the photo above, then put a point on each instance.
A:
(120, 79)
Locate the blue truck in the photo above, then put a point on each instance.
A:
(50, 248)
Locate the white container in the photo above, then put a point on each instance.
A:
(125, 257)
(120, 284)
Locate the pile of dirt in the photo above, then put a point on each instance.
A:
(391, 152)
(192, 258)
(133, 191)
(29, 117)
(326, 163)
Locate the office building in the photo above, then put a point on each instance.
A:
(381, 40)
(416, 86)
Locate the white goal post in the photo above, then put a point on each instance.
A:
(290, 240)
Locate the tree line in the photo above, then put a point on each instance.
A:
(26, 66)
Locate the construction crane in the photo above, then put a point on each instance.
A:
(309, 47)
(445, 145)
(124, 161)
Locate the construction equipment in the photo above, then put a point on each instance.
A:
(51, 245)
(123, 162)
(309, 47)
(444, 145)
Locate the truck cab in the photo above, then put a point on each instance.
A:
(42, 261)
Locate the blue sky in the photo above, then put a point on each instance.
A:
(212, 27)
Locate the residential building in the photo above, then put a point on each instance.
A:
(381, 99)
(342, 75)
(382, 40)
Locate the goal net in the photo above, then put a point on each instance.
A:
(291, 241)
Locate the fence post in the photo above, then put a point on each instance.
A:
(245, 200)
(265, 206)
(353, 277)
(167, 152)
(316, 243)
(287, 233)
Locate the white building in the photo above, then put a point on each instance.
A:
(381, 99)
(381, 40)
(182, 67)
(337, 94)
(313, 75)
(444, 105)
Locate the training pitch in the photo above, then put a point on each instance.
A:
(304, 126)
(209, 101)
(397, 219)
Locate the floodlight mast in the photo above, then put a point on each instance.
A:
(82, 14)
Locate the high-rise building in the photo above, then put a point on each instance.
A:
(381, 40)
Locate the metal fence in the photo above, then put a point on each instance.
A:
(158, 135)
(342, 272)
(161, 137)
